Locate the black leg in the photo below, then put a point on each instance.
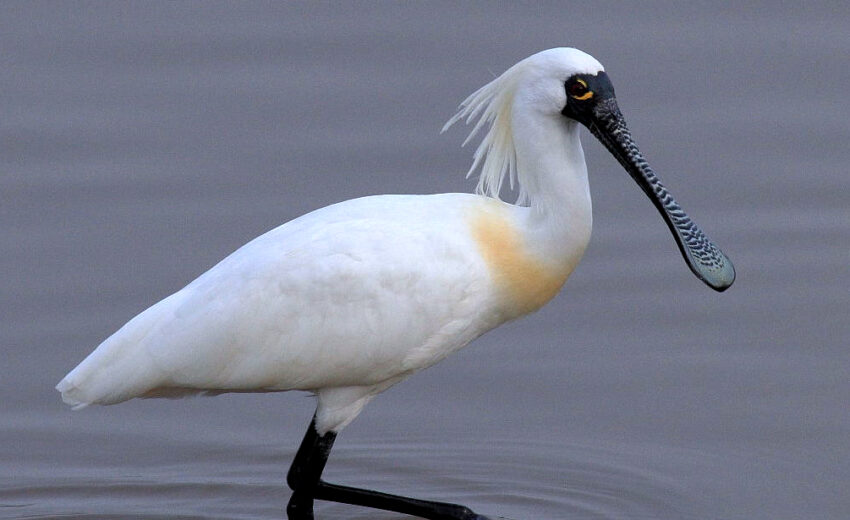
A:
(305, 473)
(304, 478)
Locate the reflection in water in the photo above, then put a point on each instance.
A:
(503, 479)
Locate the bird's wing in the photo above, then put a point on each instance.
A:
(342, 296)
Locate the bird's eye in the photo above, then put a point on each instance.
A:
(578, 90)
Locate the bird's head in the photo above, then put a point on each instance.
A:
(572, 86)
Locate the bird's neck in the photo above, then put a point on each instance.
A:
(550, 164)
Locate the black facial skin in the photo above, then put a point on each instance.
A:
(591, 102)
(582, 110)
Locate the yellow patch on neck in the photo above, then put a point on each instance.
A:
(526, 281)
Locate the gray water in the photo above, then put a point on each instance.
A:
(140, 143)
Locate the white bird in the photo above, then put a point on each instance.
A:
(350, 299)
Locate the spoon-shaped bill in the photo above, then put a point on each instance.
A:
(704, 258)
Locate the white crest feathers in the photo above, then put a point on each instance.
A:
(496, 155)
(493, 104)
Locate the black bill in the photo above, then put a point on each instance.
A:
(601, 115)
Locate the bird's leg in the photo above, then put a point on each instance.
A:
(306, 470)
(304, 478)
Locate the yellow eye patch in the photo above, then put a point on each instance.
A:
(579, 90)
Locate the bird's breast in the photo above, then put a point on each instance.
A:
(523, 280)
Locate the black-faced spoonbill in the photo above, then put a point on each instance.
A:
(350, 299)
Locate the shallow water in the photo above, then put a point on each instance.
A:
(141, 143)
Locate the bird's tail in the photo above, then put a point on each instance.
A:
(119, 369)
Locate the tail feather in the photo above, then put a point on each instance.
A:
(108, 377)
(119, 369)
(72, 395)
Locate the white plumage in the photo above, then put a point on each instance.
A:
(350, 299)
(343, 301)
(354, 296)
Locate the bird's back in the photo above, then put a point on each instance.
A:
(350, 295)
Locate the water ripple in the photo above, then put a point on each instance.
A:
(506, 479)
